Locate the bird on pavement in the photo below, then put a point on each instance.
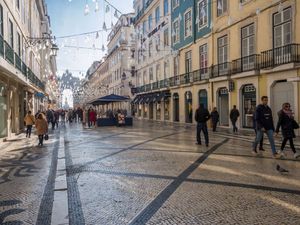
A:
(281, 170)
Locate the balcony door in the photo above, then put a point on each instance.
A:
(248, 49)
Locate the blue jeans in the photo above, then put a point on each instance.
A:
(259, 136)
(202, 127)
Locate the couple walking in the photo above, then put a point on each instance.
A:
(264, 124)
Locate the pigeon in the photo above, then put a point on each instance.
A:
(281, 170)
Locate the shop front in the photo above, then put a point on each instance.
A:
(202, 94)
(223, 106)
(248, 104)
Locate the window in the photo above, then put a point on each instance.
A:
(151, 73)
(166, 69)
(11, 34)
(144, 27)
(188, 61)
(188, 23)
(157, 15)
(203, 58)
(157, 43)
(202, 7)
(19, 44)
(150, 48)
(166, 37)
(176, 66)
(158, 72)
(176, 31)
(221, 7)
(150, 22)
(282, 28)
(175, 3)
(18, 4)
(1, 20)
(222, 52)
(166, 7)
(248, 38)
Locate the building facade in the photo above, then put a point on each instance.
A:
(22, 61)
(232, 53)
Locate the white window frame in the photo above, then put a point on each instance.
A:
(281, 25)
(223, 10)
(203, 51)
(205, 19)
(176, 38)
(175, 4)
(247, 62)
(190, 31)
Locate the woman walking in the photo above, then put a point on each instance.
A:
(214, 118)
(41, 126)
(29, 121)
(286, 121)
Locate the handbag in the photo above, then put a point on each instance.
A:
(46, 137)
(295, 124)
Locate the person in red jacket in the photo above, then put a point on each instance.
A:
(92, 118)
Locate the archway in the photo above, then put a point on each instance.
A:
(223, 106)
(248, 105)
(202, 95)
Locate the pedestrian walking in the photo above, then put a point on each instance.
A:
(214, 118)
(41, 126)
(234, 115)
(261, 148)
(29, 122)
(92, 118)
(202, 116)
(264, 123)
(286, 123)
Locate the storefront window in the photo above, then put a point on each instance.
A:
(249, 105)
(3, 111)
(188, 107)
(167, 108)
(145, 111)
(158, 111)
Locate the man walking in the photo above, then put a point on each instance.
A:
(264, 123)
(234, 115)
(201, 116)
(214, 118)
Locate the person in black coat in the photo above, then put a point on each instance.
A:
(261, 143)
(285, 121)
(234, 115)
(201, 116)
(214, 118)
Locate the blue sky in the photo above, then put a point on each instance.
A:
(67, 18)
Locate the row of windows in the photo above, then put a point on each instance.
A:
(282, 37)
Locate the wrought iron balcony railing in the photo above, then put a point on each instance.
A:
(9, 53)
(244, 64)
(222, 69)
(1, 45)
(201, 74)
(18, 62)
(279, 56)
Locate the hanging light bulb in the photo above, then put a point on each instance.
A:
(103, 48)
(116, 14)
(97, 6)
(104, 26)
(86, 10)
(97, 35)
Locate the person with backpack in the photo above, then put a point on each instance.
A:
(287, 124)
(202, 116)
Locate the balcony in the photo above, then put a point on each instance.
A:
(9, 53)
(202, 74)
(18, 62)
(279, 56)
(13, 58)
(247, 63)
(222, 69)
(186, 78)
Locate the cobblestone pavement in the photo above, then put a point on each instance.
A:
(147, 174)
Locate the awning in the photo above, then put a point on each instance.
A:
(158, 96)
(136, 99)
(149, 98)
(108, 99)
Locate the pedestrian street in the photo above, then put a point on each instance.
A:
(150, 173)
